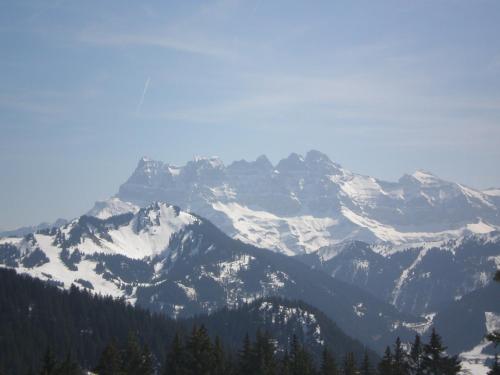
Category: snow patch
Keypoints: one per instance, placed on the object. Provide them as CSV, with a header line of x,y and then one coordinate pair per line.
x,y
359,309
152,240
190,292
56,270
307,320
480,227
263,229
494,192
421,327
492,321
474,360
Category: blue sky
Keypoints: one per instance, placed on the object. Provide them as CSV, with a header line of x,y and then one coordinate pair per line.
x,y
383,87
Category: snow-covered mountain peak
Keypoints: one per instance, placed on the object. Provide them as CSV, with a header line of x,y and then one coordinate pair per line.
x,y
320,164
203,170
148,172
162,215
313,202
425,177
261,166
291,163
145,233
317,157
208,161
422,179
112,207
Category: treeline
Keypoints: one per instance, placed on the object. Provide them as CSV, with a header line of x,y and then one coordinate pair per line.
x,y
85,331
35,315
197,354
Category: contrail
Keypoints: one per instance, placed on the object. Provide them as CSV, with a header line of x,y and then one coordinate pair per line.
x,y
146,85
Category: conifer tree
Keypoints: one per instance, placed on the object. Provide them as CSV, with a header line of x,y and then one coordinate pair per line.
x,y
174,364
416,357
495,367
300,361
435,361
132,357
385,366
146,366
350,365
284,367
68,367
400,362
49,363
110,361
366,367
328,365
220,367
199,352
494,336
245,357
264,354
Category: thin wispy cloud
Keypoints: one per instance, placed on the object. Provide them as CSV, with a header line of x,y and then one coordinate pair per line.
x,y
35,104
193,45
361,97
144,91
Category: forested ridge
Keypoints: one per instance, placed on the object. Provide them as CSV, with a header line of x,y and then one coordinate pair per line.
x,y
45,330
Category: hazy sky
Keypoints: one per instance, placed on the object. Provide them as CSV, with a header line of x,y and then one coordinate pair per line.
x,y
382,87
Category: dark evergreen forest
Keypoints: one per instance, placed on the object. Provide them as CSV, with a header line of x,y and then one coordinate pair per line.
x,y
45,330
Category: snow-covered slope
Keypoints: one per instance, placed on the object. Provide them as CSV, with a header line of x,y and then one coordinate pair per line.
x,y
493,192
112,207
143,234
302,204
175,262
464,324
420,280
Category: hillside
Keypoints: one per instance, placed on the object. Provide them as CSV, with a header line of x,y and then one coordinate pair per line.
x,y
36,315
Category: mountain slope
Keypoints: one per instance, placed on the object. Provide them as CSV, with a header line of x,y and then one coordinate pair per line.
x,y
419,280
178,263
479,311
282,319
35,315
304,203
465,323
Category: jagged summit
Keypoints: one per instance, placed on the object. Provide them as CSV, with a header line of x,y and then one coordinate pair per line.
x,y
307,202
264,161
212,161
315,156
425,177
294,159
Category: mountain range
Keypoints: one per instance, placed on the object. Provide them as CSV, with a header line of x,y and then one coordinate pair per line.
x,y
303,204
381,259
180,264
29,308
